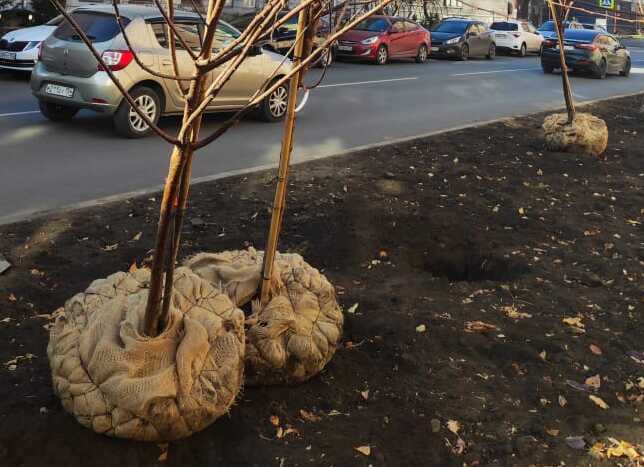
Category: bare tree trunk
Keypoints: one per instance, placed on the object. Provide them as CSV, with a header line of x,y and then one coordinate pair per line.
x,y
556,17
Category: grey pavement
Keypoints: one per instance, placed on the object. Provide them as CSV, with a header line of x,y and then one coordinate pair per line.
x,y
49,165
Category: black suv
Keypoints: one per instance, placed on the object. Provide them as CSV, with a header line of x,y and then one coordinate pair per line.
x,y
462,38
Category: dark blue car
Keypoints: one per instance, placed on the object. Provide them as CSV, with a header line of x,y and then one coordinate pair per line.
x,y
596,52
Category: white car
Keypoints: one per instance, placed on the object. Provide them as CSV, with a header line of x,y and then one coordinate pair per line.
x,y
19,48
516,36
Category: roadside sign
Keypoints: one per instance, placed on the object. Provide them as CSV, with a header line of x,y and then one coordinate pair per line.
x,y
608,4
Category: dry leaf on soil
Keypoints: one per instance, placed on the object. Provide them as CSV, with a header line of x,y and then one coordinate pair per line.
x,y
421,328
309,416
275,420
364,450
365,394
479,326
594,381
453,426
562,401
575,323
595,349
599,402
553,432
352,309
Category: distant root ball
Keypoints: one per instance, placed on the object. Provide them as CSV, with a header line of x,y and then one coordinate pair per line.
x,y
587,134
296,334
118,382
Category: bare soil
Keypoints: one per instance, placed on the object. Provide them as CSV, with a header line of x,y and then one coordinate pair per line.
x,y
480,230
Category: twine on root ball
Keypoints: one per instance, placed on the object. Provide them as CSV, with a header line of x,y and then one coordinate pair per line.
x,y
295,335
118,382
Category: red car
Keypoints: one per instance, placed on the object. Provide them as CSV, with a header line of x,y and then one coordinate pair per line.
x,y
380,38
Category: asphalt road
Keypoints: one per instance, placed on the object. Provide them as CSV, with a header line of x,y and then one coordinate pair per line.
x,y
47,166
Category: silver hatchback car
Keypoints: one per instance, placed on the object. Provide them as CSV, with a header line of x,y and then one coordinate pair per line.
x,y
68,78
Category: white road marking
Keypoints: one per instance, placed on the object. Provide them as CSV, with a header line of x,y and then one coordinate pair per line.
x,y
357,83
20,113
505,70
637,71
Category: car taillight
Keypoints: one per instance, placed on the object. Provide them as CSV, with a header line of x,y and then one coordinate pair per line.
x,y
116,59
549,43
516,34
586,46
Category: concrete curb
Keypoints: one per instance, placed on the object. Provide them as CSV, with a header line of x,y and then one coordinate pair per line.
x,y
34,214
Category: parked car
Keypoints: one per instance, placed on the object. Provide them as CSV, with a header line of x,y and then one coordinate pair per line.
x,y
547,29
282,40
593,26
588,50
381,38
18,18
516,36
19,48
462,38
68,78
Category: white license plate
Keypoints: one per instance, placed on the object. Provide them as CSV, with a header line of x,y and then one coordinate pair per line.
x,y
435,49
346,48
8,55
57,90
500,35
566,47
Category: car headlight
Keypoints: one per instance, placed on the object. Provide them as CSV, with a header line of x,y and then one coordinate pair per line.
x,y
370,40
453,41
31,45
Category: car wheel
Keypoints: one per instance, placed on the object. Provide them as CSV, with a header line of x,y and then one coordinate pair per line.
x,y
382,55
627,69
273,107
600,73
421,56
547,69
540,51
523,51
465,52
128,122
57,112
491,52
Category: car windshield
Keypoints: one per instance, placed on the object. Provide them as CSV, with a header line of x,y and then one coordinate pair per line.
x,y
55,21
99,27
547,26
456,27
503,26
373,24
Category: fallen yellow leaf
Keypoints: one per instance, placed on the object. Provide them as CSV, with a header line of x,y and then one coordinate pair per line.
x,y
594,381
453,426
562,401
599,402
275,420
364,450
595,349
553,432
308,416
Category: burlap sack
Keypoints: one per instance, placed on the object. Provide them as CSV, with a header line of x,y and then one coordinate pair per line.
x,y
295,335
120,383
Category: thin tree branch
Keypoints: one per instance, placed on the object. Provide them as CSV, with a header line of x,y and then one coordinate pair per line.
x,y
119,20
170,24
114,79
254,101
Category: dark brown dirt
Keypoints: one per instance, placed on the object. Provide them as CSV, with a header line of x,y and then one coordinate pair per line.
x,y
477,225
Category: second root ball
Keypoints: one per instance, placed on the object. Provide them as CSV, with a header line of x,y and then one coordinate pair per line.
x,y
296,334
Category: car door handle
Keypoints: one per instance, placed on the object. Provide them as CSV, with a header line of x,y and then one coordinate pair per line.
x,y
166,62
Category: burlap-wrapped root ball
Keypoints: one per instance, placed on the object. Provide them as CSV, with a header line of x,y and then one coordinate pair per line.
x,y
120,383
295,335
586,134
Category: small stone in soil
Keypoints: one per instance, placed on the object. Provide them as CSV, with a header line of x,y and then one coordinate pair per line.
x,y
435,424
197,222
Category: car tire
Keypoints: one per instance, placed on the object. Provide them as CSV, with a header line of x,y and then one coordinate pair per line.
x,y
128,123
491,51
627,69
421,56
382,55
273,107
523,51
600,73
57,112
465,52
547,69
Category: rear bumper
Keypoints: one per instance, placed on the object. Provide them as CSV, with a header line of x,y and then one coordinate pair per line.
x,y
509,42
579,60
96,92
